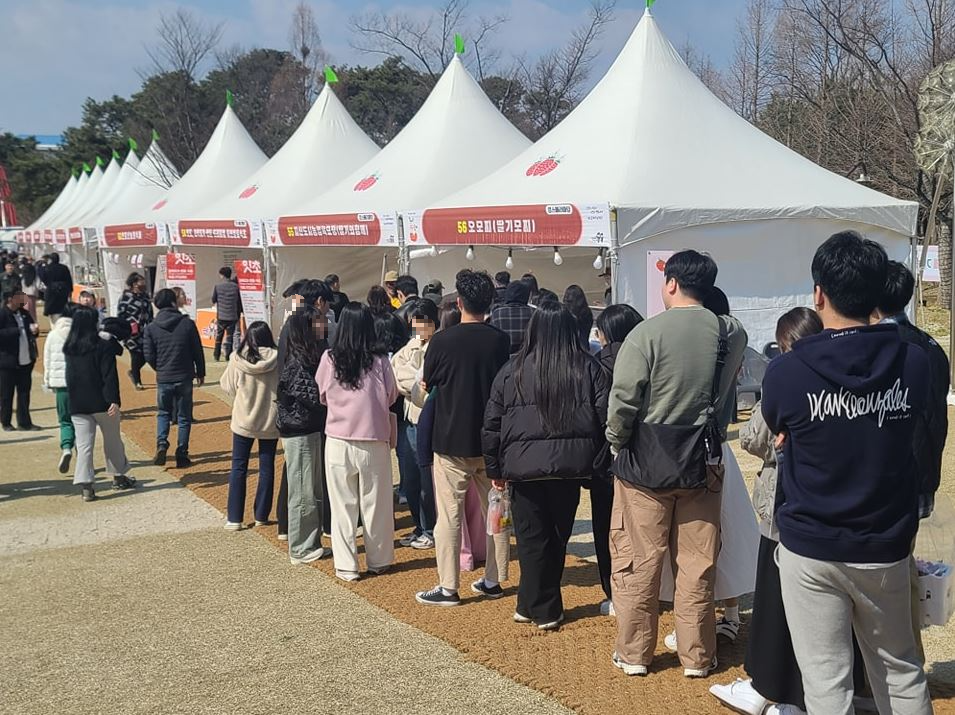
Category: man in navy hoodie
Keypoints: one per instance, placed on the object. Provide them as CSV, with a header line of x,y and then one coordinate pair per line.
x,y
846,402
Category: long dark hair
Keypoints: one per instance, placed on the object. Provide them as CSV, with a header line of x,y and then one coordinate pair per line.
x,y
378,300
28,274
795,325
616,322
84,332
354,351
553,348
576,302
303,344
258,336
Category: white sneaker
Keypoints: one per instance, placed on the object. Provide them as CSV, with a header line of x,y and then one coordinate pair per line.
x,y
784,709
347,575
740,695
701,672
670,641
65,457
553,625
232,526
408,540
308,558
606,608
518,618
628,668
283,537
423,543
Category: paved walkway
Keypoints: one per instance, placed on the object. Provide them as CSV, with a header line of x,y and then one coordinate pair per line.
x,y
140,603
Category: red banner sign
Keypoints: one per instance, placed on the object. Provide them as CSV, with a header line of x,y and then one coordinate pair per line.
x,y
180,267
330,230
59,236
249,276
214,233
537,225
47,236
74,236
131,235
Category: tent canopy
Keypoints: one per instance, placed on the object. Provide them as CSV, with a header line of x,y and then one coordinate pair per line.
x,y
651,139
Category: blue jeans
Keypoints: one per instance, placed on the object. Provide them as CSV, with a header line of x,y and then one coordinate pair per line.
x,y
175,402
241,449
419,486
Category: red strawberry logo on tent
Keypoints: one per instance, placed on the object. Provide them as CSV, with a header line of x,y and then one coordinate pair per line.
x,y
249,191
159,204
366,183
543,166
661,265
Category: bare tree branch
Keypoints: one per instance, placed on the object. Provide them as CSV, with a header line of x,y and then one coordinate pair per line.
x,y
184,42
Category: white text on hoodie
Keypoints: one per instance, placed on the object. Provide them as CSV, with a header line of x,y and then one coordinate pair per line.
x,y
845,404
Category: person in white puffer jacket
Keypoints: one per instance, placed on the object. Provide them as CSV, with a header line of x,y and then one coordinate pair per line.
x,y
54,378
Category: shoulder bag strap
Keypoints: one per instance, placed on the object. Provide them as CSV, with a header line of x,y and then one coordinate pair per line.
x,y
722,350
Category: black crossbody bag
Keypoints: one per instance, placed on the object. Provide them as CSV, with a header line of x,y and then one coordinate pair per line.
x,y
677,456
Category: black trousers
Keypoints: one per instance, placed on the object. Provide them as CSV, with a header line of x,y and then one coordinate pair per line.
x,y
601,502
224,329
16,381
544,512
137,360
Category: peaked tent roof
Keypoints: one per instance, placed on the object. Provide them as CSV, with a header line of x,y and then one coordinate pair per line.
x,y
76,199
651,138
229,155
63,198
97,195
456,137
327,145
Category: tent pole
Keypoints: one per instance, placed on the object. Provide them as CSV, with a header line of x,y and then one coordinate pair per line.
x,y
951,307
404,262
613,258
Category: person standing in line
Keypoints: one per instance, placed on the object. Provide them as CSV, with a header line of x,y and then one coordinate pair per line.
x,y
390,286
502,279
770,661
419,485
134,307
531,281
228,302
339,299
543,434
406,288
672,377
390,331
514,314
29,278
358,386
93,387
54,378
18,353
301,423
845,404
575,300
433,291
462,363
251,379
613,326
59,287
172,347
10,281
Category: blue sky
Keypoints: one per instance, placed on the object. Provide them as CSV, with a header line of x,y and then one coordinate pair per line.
x,y
55,53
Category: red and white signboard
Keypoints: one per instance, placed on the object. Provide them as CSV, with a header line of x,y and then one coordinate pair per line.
x,y
656,263
132,235
239,233
251,281
352,229
181,273
528,225
74,236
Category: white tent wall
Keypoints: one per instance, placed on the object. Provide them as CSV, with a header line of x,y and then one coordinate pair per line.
x,y
358,267
119,263
576,268
764,266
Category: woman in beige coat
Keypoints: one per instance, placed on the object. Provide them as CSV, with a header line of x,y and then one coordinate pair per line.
x,y
252,379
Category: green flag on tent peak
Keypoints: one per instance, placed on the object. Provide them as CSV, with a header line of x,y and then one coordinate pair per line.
x,y
86,168
330,76
228,97
155,136
458,44
99,161
133,145
116,155
650,3
76,172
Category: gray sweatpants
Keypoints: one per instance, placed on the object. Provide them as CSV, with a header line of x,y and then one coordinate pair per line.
x,y
85,428
303,459
825,601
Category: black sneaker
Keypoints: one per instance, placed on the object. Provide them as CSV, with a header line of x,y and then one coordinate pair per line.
x,y
88,493
123,482
9,428
183,461
491,592
437,597
160,459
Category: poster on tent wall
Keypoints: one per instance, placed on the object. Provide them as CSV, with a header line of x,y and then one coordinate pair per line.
x,y
528,225
181,273
238,233
656,262
248,274
351,229
931,273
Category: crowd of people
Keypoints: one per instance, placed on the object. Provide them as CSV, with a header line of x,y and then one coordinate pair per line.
x,y
510,399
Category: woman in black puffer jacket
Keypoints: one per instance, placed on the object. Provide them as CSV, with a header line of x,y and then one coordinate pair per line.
x,y
544,434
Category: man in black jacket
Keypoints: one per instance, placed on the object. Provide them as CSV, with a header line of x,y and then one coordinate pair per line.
x,y
339,300
59,287
172,348
9,280
228,302
17,356
406,288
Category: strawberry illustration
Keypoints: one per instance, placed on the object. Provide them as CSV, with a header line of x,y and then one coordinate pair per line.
x,y
366,183
249,191
159,204
543,166
661,265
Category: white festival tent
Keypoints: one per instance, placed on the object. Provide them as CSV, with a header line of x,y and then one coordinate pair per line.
x,y
62,199
326,146
679,169
43,233
456,137
126,245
